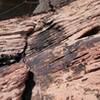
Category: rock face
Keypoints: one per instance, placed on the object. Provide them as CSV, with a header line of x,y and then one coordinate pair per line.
x,y
12,81
49,5
60,48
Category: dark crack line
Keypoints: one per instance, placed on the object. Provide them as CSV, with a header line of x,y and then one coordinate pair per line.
x,y
92,70
29,85
6,59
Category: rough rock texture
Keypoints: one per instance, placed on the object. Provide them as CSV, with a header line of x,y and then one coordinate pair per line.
x,y
12,81
75,76
61,49
49,5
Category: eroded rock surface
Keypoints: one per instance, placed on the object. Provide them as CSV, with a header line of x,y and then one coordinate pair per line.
x,y
61,49
12,81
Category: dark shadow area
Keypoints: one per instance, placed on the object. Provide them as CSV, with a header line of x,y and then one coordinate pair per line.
x,y
9,59
6,59
16,8
52,35
97,58
43,40
93,31
29,85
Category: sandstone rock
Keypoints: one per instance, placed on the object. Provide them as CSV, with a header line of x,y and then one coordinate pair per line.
x,y
12,81
61,49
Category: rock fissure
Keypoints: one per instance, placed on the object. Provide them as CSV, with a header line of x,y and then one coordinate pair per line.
x,y
93,31
63,54
29,85
6,59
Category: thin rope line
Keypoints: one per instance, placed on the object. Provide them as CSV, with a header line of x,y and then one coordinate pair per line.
x,y
7,11
26,2
30,2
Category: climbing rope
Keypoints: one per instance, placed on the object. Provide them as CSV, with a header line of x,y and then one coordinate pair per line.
x,y
7,11
30,2
17,6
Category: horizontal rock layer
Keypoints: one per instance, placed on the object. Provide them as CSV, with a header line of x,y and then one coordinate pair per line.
x,y
12,82
61,48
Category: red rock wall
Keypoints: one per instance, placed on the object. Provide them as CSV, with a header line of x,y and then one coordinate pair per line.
x,y
61,49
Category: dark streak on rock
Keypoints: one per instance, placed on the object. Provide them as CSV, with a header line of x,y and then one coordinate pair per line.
x,y
29,85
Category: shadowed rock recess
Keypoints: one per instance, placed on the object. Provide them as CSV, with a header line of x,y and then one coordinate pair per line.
x,y
53,55
13,8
